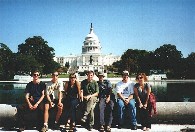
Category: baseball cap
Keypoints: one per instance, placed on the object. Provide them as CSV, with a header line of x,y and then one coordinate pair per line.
x,y
125,73
101,74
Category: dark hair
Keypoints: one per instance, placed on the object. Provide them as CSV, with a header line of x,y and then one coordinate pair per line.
x,y
143,75
90,71
33,71
72,75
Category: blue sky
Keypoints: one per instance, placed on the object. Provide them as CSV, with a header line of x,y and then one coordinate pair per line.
x,y
119,24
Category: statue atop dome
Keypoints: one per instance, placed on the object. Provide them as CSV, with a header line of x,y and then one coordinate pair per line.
x,y
91,29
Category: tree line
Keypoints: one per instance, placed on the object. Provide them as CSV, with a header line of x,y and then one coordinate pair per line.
x,y
35,53
166,58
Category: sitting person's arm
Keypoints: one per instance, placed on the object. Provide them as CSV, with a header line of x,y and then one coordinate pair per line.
x,y
27,98
148,94
60,99
79,90
94,94
119,91
121,96
40,100
50,101
137,97
131,91
110,91
60,89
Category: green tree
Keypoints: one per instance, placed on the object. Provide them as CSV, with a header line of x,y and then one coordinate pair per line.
x,y
62,69
111,68
52,66
190,66
167,58
6,63
116,66
38,48
134,61
144,61
25,64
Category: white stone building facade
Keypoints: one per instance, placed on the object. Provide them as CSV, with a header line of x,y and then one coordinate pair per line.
x,y
91,57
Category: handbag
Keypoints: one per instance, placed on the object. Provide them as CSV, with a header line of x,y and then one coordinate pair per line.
x,y
152,104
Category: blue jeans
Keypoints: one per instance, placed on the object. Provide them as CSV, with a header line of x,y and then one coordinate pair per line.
x,y
132,110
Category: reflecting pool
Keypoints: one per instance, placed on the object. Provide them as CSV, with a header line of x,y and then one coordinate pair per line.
x,y
179,91
165,91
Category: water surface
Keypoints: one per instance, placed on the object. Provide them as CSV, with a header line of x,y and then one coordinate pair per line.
x,y
180,91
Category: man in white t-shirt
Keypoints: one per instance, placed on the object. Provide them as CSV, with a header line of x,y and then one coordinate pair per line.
x,y
53,95
125,100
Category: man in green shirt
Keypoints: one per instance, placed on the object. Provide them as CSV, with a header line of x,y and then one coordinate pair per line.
x,y
90,91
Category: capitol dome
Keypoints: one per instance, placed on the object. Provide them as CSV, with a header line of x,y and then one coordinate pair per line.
x,y
91,43
91,36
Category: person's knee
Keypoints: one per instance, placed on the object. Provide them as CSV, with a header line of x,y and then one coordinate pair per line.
x,y
46,106
111,103
132,103
120,104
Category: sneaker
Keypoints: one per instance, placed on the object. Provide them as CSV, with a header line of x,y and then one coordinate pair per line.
x,y
101,128
67,125
73,127
84,119
44,129
108,129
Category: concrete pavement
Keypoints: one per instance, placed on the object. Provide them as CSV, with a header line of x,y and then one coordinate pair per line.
x,y
155,128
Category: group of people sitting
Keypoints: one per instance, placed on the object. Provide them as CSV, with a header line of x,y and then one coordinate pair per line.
x,y
44,96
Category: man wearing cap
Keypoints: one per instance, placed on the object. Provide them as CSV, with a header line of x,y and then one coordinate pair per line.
x,y
125,100
90,92
105,102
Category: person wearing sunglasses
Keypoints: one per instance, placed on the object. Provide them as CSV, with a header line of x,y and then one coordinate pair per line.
x,y
142,91
73,95
53,98
126,101
34,95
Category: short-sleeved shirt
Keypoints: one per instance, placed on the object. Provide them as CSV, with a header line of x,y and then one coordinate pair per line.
x,y
89,88
104,88
54,88
35,90
125,89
